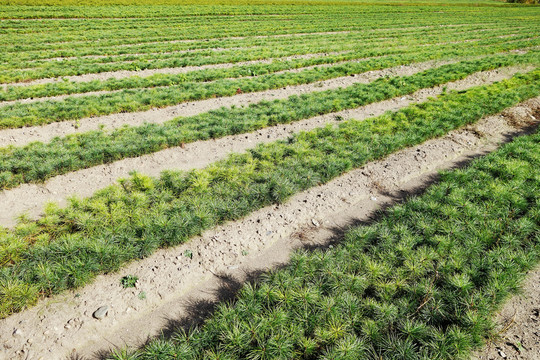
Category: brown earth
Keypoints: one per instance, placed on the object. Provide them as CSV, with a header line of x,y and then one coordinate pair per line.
x,y
518,326
30,198
158,116
176,286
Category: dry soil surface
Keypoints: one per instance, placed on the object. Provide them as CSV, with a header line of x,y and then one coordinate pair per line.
x,y
178,287
30,198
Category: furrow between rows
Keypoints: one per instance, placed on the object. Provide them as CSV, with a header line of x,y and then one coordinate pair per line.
x,y
172,281
31,198
22,136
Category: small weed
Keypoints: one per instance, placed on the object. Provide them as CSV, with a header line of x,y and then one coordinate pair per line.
x,y
142,295
188,254
129,281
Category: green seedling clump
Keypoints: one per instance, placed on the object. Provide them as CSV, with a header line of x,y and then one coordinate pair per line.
x,y
133,219
25,164
129,281
422,282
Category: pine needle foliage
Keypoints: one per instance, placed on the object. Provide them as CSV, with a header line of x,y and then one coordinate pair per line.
x,y
137,99
26,164
338,48
68,247
421,283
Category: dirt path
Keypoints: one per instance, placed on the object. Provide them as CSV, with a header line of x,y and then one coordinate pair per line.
x,y
30,198
45,133
518,324
121,74
176,286
104,92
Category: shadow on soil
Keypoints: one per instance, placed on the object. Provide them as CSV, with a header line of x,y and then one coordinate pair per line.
x,y
198,310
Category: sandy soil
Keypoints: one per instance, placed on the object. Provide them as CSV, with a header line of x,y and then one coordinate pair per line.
x,y
22,136
104,92
177,287
30,198
148,72
518,325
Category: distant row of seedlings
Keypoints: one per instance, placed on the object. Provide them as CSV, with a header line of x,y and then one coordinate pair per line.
x,y
80,66
71,108
38,161
68,247
111,48
253,69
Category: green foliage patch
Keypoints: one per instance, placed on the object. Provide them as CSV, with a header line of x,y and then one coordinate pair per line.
x,y
131,100
40,161
421,283
68,247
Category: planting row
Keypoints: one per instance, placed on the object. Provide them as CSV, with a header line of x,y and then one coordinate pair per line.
x,y
30,58
422,282
24,71
233,71
73,9
312,19
159,45
40,161
68,247
71,108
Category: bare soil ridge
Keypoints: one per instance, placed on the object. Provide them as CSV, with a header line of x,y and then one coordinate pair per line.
x,y
45,133
31,198
262,240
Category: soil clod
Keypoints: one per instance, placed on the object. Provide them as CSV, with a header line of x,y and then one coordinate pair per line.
x,y
101,312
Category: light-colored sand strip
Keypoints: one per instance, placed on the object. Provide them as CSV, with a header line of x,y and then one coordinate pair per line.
x,y
22,136
31,198
103,92
177,287
121,74
517,335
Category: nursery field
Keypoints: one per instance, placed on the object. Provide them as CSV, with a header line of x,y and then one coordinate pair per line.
x,y
150,152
